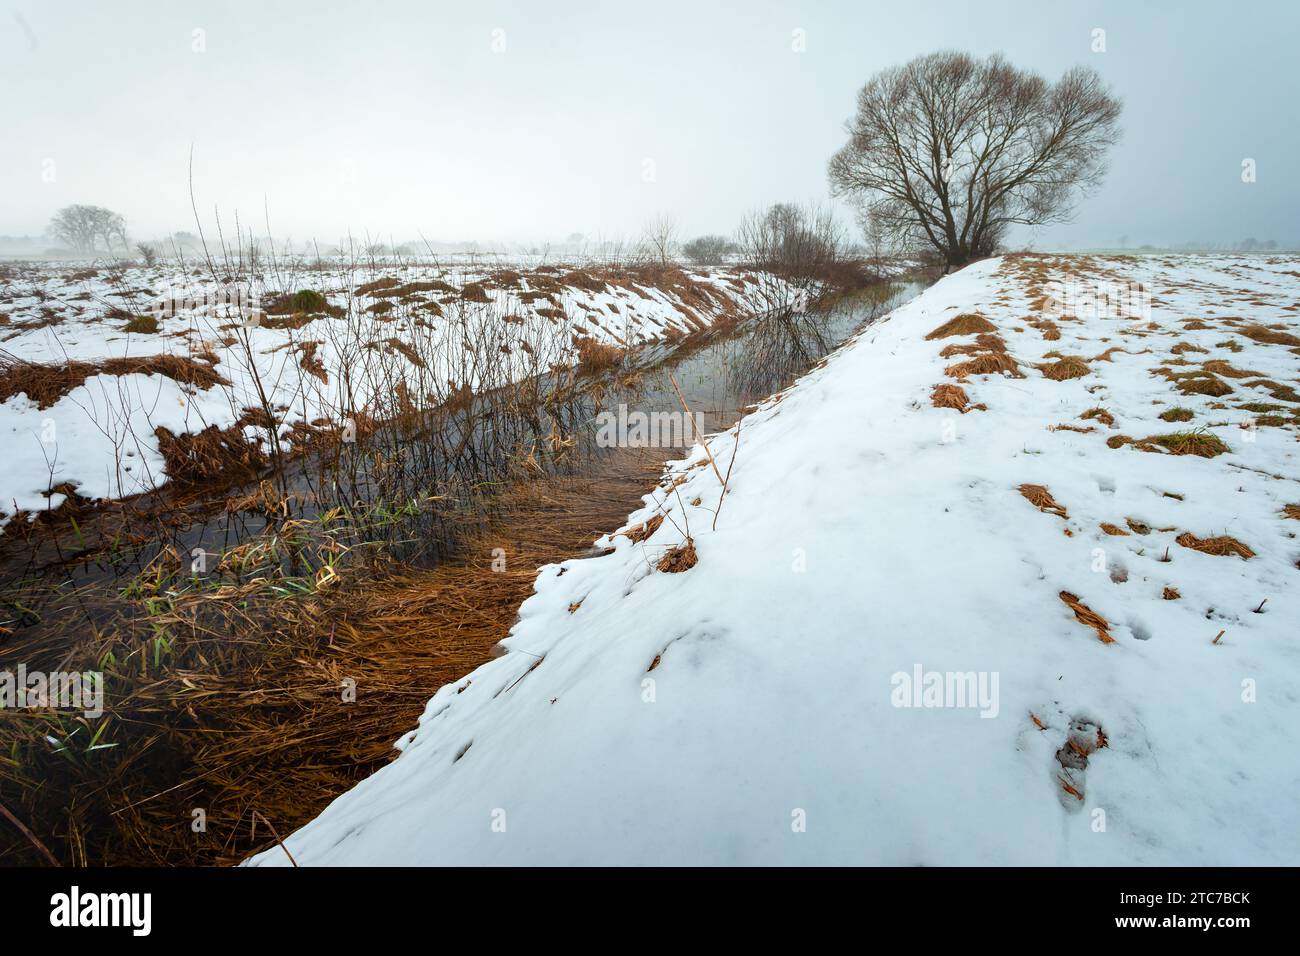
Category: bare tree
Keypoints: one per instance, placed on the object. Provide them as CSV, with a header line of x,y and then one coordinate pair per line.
x,y
708,250
81,227
793,252
791,241
148,252
948,151
659,239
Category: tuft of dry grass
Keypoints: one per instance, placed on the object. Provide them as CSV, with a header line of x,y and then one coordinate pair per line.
x,y
141,325
968,323
1066,367
643,531
1171,594
1221,367
987,363
1113,530
1177,414
679,558
1041,498
1099,414
46,384
1087,616
1292,511
953,396
1202,383
1200,443
595,356
1277,390
1220,546
1137,527
1262,333
213,453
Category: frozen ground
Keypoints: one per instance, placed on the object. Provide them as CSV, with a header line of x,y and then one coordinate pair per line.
x,y
1133,700
425,329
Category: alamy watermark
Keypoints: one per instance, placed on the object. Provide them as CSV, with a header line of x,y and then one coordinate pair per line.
x,y
1097,300
62,690
636,429
946,689
233,300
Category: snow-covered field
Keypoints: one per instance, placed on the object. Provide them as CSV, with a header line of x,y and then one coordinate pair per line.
x,y
424,328
919,635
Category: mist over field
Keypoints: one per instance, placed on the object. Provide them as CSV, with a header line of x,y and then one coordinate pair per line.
x,y
507,124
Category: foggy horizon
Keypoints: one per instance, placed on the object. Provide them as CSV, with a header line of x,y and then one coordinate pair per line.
x,y
500,125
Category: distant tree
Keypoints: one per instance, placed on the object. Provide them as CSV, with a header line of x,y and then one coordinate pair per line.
x,y
708,250
148,252
81,228
792,241
659,239
948,151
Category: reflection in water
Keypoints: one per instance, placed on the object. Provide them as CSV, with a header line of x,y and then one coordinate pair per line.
x,y
414,487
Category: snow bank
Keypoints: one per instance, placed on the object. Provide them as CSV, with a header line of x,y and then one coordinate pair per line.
x,y
428,327
758,708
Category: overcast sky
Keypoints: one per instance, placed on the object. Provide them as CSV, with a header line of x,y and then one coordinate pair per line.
x,y
529,121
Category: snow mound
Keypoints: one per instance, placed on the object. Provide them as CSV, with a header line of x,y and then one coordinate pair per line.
x,y
919,635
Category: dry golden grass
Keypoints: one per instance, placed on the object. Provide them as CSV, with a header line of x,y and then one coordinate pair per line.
x,y
968,323
1292,511
1276,390
679,558
1201,383
248,716
1171,594
1099,414
1137,527
1266,335
1050,330
1087,616
643,531
141,325
406,349
1041,498
986,363
953,396
1200,443
984,342
595,356
46,384
1113,530
1220,546
309,361
1221,367
225,454
1177,415
1067,367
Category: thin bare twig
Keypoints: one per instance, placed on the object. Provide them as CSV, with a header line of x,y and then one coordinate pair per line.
x,y
22,828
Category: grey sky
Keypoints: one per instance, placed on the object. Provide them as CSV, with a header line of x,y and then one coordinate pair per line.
x,y
399,118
